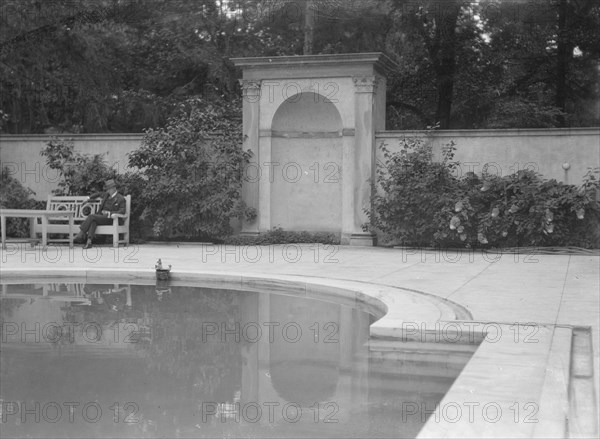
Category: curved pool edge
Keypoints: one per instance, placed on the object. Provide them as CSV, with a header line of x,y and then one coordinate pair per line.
x,y
392,307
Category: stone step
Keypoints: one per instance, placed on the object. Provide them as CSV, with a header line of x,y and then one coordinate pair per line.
x,y
418,368
376,345
392,383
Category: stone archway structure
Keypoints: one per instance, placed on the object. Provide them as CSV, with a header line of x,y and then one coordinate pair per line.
x,y
310,122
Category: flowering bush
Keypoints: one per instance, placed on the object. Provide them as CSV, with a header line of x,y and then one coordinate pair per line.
x,y
422,202
522,209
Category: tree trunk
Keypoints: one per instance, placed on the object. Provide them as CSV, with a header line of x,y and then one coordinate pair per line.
x,y
445,58
445,89
563,56
309,27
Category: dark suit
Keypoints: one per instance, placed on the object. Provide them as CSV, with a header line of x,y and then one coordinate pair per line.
x,y
114,204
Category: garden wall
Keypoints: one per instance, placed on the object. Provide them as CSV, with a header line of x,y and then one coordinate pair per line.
x,y
544,150
509,150
21,155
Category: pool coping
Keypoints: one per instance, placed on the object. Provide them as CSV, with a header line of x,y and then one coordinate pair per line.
x,y
525,388
380,300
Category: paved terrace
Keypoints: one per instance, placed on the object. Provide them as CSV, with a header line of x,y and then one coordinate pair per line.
x,y
503,288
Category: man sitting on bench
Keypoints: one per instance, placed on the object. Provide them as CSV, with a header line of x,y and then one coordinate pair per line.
x,y
112,203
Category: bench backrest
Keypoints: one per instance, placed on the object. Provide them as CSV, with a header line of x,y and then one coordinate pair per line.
x,y
82,210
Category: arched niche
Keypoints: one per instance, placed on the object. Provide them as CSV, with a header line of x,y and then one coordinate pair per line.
x,y
306,155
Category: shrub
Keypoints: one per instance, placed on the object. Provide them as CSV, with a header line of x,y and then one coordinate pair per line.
x,y
132,183
423,203
13,195
192,171
414,189
523,209
280,236
80,174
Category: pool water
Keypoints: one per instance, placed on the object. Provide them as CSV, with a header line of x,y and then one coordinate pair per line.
x,y
119,360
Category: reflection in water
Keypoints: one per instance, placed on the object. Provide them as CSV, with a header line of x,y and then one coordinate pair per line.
x,y
108,360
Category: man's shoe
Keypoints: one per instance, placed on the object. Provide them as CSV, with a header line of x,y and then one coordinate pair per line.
x,y
80,238
87,245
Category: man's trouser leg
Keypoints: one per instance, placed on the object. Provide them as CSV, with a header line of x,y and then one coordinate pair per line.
x,y
96,220
85,227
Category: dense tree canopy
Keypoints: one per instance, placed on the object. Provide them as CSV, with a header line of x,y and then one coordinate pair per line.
x,y
126,65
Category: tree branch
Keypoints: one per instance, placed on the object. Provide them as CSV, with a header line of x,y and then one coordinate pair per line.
x,y
80,18
412,108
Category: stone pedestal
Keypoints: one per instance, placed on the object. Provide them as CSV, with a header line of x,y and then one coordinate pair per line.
x,y
310,123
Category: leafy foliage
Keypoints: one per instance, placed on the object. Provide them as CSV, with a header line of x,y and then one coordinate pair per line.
x,y
414,189
192,171
523,209
99,65
424,203
103,65
510,57
13,195
280,236
80,174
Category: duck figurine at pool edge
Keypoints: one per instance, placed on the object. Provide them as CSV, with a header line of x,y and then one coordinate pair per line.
x,y
159,266
161,273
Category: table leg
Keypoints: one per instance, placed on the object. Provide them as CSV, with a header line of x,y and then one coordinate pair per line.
x,y
44,231
71,220
3,225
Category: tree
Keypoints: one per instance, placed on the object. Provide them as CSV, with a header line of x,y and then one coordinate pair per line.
x,y
551,54
122,66
56,62
430,34
517,64
439,33
99,66
574,28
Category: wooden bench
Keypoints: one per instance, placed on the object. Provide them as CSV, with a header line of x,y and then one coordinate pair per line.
x,y
82,209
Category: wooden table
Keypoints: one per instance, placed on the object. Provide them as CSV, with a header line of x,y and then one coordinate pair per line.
x,y
36,213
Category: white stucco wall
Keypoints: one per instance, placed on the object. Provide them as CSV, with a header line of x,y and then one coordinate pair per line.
x,y
21,155
544,150
510,150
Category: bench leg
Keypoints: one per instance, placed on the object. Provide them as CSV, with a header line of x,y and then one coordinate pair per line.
x,y
3,225
32,222
44,231
116,238
71,225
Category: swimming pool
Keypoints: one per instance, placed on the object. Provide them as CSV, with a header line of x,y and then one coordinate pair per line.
x,y
98,359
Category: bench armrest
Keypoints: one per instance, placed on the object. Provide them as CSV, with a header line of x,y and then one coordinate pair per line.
x,y
119,215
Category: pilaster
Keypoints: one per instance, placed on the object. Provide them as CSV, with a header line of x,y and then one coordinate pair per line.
x,y
251,92
365,88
